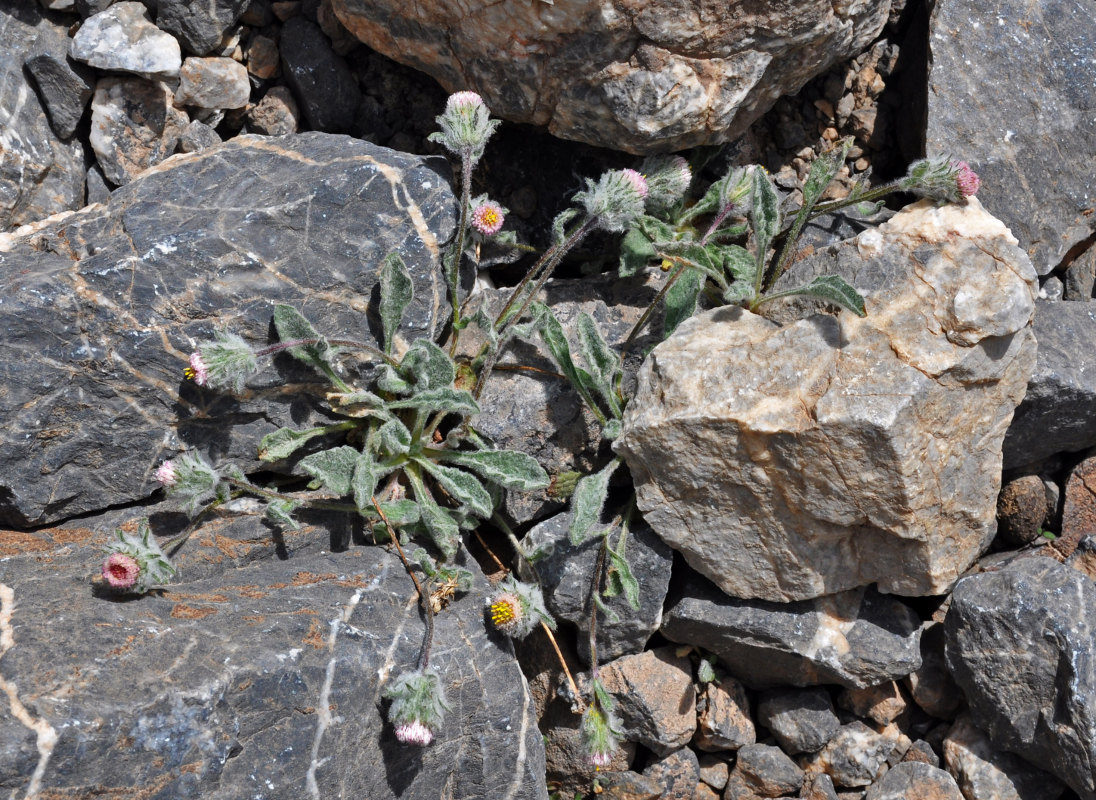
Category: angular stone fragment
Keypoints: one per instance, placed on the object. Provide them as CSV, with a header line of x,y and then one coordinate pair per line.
x,y
249,654
880,704
40,175
565,573
1021,509
723,720
856,756
123,38
654,698
322,82
104,307
801,720
1020,645
915,781
791,462
931,684
275,115
199,26
766,771
213,83
677,774
1049,125
639,76
986,773
64,86
134,125
856,638
1079,509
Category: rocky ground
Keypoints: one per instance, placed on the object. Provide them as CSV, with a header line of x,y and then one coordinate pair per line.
x,y
261,672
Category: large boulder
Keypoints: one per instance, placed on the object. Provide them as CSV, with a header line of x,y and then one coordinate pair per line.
x,y
790,462
102,308
637,76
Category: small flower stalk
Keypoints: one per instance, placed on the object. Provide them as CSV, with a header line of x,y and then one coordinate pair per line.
x,y
465,126
517,608
418,706
668,179
941,178
135,563
616,200
226,363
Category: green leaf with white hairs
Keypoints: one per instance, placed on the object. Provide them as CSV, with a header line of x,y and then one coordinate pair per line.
x,y
509,468
738,292
390,380
636,251
393,437
399,512
364,480
397,291
621,580
427,366
551,333
699,257
559,225
611,429
823,170
681,299
283,442
462,486
280,512
333,468
764,215
832,289
588,501
446,398
738,262
440,525
705,670
602,360
291,326
610,615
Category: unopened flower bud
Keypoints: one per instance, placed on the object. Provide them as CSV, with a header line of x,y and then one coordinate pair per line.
x,y
222,364
598,737
466,125
189,476
966,179
940,178
135,562
518,608
668,178
418,706
487,217
165,473
615,200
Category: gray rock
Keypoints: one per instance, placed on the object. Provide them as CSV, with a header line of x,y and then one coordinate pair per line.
x,y
102,309
880,705
275,115
1021,510
40,175
122,38
197,136
566,573
1044,78
765,770
64,86
677,774
801,720
915,781
723,720
323,84
647,77
199,26
1020,643
654,698
931,684
856,756
855,638
713,770
790,462
1080,277
1052,289
213,83
251,676
985,773
133,126
1055,415
818,786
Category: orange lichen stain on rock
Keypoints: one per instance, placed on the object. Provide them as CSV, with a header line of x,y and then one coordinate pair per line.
x,y
150,789
194,767
315,635
14,543
254,619
357,582
183,611
251,590
306,578
204,597
123,648
73,535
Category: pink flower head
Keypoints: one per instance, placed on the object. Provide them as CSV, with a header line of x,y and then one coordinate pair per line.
x,y
165,473
459,101
600,759
966,179
414,733
198,371
488,218
639,183
121,570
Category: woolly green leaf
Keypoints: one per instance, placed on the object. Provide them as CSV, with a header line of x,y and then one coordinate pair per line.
x,y
655,229
462,486
393,437
611,615
508,468
832,289
551,332
281,512
706,259
399,512
292,325
389,380
364,480
588,500
441,527
680,300
738,262
705,670
559,225
636,251
444,398
738,292
823,170
333,468
602,360
621,580
427,366
764,215
283,442
397,292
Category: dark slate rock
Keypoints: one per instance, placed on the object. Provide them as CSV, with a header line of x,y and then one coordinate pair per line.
x,y
1019,643
199,26
102,309
801,720
252,676
324,86
1056,413
64,86
677,774
854,638
566,572
40,175
1010,91
855,756
1080,276
981,770
914,781
765,770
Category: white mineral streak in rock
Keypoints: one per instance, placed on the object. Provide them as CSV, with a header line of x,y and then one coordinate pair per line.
x,y
123,38
636,75
791,462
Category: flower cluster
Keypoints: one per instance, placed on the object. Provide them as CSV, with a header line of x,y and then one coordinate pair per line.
x,y
616,200
941,178
225,363
598,736
418,706
668,178
189,476
517,608
465,126
135,562
487,217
